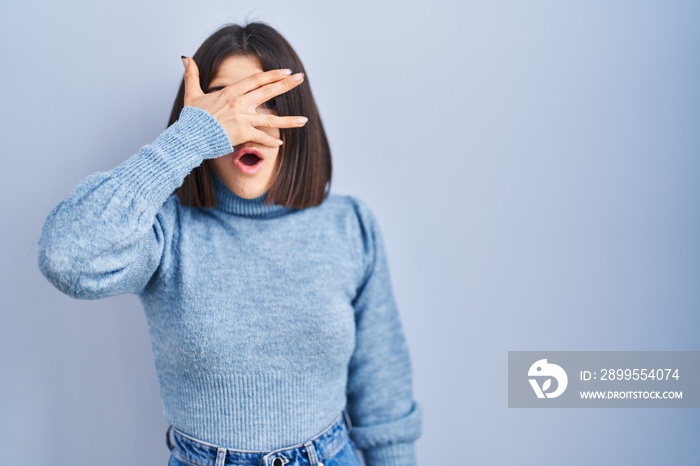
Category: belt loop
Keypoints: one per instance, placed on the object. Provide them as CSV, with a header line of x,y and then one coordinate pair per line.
x,y
311,452
168,441
346,416
220,456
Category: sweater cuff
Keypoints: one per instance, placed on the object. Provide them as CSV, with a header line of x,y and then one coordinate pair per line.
x,y
405,430
160,167
398,454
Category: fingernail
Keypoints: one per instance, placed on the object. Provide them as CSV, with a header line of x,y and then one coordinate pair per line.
x,y
285,72
302,120
279,142
298,77
184,60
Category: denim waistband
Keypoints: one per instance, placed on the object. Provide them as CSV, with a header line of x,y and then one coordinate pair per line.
x,y
311,452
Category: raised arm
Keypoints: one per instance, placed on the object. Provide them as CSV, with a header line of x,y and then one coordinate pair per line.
x,y
386,419
109,236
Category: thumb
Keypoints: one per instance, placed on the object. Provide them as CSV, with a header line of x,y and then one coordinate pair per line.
x,y
192,87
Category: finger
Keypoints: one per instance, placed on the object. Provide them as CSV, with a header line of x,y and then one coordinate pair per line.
x,y
256,80
266,92
263,138
274,121
192,87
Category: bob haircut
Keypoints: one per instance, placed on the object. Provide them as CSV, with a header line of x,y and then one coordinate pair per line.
x,y
302,172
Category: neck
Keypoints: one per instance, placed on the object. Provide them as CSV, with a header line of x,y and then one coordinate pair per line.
x,y
230,202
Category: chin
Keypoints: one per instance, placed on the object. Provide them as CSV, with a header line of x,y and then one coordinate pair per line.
x,y
248,190
245,194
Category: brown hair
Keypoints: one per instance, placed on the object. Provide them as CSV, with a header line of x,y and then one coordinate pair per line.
x,y
302,173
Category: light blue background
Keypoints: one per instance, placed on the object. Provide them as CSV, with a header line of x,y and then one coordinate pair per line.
x,y
534,166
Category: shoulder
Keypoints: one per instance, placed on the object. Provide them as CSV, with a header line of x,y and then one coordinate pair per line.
x,y
351,206
171,207
355,214
360,224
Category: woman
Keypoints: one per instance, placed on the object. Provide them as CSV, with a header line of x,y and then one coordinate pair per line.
x,y
275,335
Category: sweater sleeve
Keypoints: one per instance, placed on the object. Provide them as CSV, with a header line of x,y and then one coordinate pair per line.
x,y
386,420
110,235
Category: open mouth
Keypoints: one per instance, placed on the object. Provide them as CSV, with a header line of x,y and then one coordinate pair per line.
x,y
249,159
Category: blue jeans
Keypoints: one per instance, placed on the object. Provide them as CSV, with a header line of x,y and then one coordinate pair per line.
x,y
331,447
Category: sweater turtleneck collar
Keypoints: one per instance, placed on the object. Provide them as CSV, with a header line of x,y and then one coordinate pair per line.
x,y
228,201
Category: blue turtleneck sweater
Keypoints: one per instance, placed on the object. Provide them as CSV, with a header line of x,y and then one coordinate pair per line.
x,y
265,321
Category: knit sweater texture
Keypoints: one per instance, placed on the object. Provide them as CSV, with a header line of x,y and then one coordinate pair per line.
x,y
265,321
